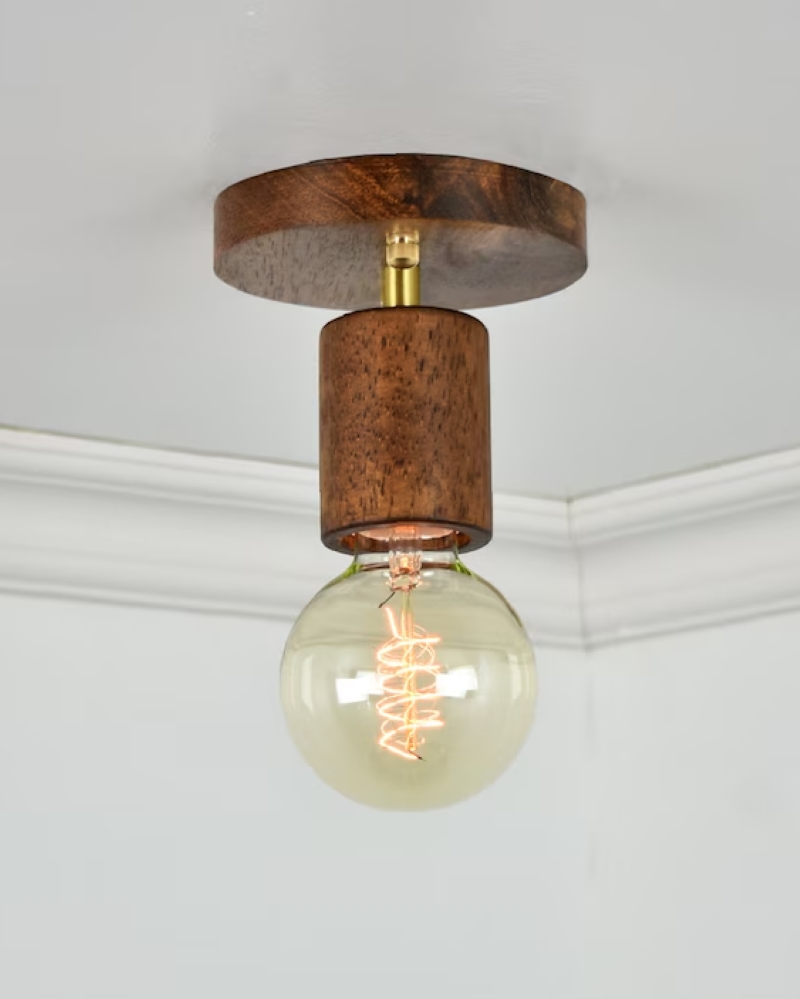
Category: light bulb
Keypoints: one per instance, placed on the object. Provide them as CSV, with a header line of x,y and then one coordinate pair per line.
x,y
408,682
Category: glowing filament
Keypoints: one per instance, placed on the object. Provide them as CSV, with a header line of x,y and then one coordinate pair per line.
x,y
408,672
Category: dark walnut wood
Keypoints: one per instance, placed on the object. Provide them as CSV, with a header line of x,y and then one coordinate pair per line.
x,y
404,426
315,234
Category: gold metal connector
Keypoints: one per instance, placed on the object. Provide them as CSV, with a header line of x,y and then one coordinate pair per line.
x,y
401,271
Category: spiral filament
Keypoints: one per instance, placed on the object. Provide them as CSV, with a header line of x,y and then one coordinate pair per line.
x,y
407,670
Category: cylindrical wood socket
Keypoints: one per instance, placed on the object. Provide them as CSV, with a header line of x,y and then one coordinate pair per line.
x,y
404,428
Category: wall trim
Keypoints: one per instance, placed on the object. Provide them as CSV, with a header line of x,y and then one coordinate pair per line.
x,y
115,522
692,550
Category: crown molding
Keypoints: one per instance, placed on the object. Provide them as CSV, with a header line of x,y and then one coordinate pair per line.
x,y
708,547
114,522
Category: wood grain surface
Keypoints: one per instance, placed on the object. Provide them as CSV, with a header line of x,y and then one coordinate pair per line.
x,y
404,425
315,234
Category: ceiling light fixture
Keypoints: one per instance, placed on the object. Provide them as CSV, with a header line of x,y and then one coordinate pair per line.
x,y
408,682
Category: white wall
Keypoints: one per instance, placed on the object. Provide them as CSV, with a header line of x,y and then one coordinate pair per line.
x,y
160,838
695,843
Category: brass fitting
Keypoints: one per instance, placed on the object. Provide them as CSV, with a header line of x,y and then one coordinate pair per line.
x,y
401,270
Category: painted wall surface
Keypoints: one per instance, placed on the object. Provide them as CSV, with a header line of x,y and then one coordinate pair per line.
x,y
161,839
695,843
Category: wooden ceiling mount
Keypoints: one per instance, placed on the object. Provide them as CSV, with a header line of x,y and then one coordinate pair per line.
x,y
404,389
313,234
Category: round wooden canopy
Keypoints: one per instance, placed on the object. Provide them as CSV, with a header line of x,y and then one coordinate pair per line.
x,y
315,234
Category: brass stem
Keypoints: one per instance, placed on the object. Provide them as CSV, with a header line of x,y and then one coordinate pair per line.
x,y
401,270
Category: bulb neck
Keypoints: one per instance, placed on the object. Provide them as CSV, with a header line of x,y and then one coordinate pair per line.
x,y
406,557
426,559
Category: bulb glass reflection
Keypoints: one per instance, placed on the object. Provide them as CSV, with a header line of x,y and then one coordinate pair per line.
x,y
408,682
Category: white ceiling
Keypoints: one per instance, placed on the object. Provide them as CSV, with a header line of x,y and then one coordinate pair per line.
x,y
121,122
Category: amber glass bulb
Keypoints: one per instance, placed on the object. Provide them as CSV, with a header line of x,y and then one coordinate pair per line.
x,y
408,682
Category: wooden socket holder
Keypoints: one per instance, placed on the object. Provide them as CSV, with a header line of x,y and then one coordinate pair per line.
x,y
404,392
404,428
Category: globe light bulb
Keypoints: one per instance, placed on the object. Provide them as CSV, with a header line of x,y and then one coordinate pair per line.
x,y
408,682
